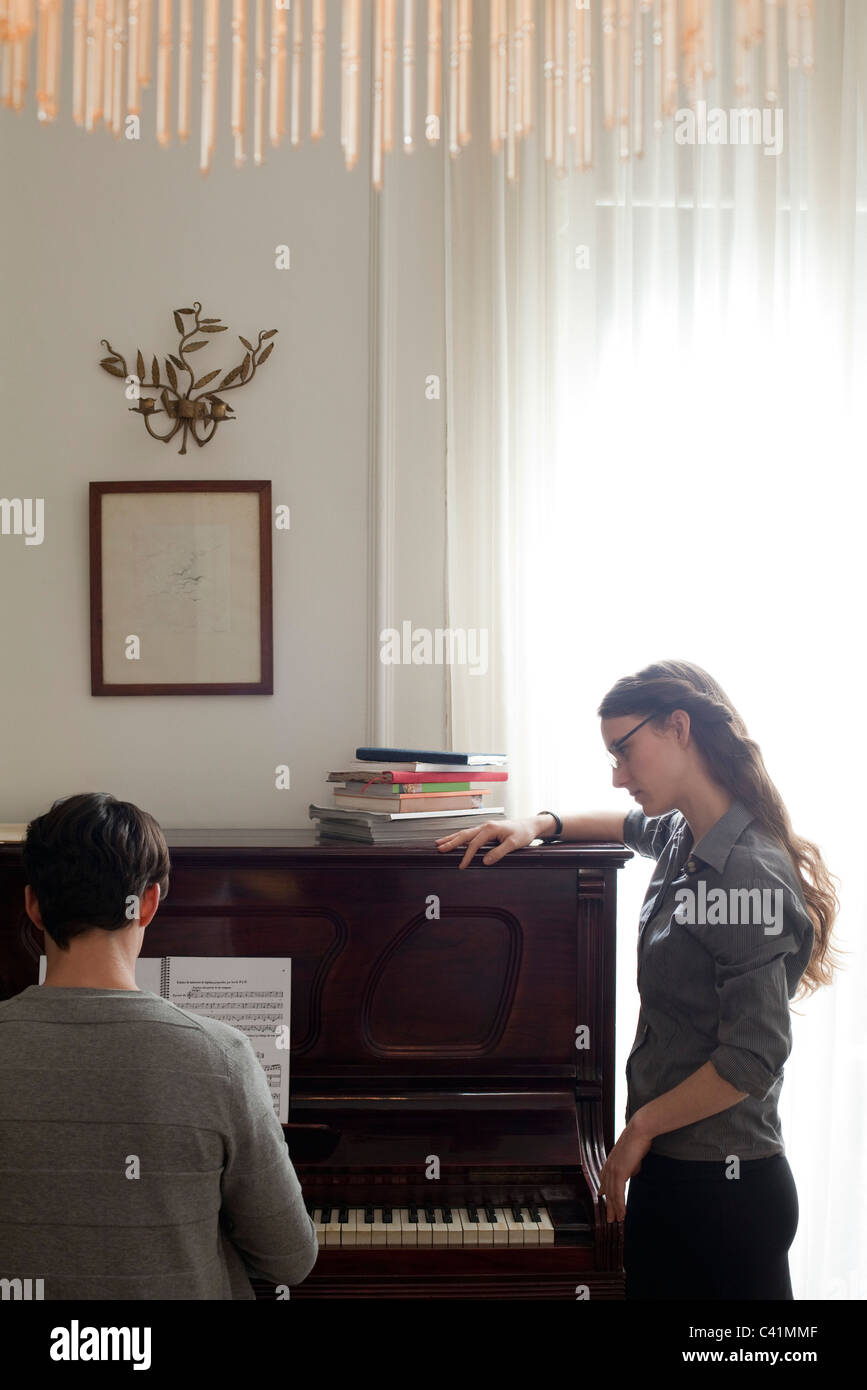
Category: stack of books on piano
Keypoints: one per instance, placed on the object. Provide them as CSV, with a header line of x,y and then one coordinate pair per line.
x,y
393,796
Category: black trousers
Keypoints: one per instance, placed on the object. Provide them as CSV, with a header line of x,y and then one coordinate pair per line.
x,y
690,1232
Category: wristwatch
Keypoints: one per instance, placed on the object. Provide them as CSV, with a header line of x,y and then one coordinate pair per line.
x,y
551,839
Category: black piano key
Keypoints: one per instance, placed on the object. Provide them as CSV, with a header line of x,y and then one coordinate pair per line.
x,y
369,1216
516,1215
343,1215
473,1214
386,1216
431,1215
413,1213
326,1216
491,1215
534,1214
447,1215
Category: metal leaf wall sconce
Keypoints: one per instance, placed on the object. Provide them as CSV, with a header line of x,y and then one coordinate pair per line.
x,y
187,412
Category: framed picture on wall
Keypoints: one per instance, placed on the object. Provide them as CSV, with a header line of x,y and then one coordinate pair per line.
x,y
180,588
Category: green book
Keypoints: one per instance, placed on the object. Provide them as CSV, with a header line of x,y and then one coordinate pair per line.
x,y
408,788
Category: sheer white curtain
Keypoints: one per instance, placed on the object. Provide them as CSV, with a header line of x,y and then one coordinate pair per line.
x,y
656,449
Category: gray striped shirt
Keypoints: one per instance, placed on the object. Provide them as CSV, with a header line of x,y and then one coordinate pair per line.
x,y
724,937
140,1156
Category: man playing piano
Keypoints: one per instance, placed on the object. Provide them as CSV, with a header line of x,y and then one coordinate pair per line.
x,y
141,1155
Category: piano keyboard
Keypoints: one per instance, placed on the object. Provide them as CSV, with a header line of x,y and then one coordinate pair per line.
x,y
433,1226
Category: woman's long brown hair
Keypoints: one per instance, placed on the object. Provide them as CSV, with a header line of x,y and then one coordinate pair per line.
x,y
735,761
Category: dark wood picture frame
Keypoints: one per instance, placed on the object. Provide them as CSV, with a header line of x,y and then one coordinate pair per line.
x,y
265,684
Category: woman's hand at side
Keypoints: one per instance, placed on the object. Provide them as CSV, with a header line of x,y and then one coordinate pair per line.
x,y
623,1162
511,834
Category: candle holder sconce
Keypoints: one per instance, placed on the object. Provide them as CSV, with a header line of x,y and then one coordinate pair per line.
x,y
199,415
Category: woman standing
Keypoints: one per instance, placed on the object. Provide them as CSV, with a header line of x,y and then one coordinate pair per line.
x,y
737,918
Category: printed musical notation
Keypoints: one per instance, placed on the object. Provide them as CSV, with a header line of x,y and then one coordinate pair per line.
x,y
251,993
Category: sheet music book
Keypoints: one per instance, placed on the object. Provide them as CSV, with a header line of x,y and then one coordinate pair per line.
x,y
252,993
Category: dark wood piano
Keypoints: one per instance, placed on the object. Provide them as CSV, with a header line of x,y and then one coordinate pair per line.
x,y
452,1076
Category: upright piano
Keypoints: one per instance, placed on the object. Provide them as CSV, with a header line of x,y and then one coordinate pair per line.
x,y
452,1057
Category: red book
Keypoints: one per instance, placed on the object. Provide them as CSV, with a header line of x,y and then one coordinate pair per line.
x,y
377,774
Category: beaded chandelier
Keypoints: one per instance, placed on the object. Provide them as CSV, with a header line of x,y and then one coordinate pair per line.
x,y
642,56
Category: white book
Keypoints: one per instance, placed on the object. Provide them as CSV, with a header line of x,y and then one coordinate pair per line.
x,y
375,817
252,993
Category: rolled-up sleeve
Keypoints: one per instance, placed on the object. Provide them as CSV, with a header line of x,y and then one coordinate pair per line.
x,y
649,836
752,985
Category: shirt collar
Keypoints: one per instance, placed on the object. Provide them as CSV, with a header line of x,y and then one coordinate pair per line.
x,y
716,844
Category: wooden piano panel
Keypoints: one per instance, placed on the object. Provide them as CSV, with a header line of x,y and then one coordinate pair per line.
x,y
313,937
378,984
426,995
553,1272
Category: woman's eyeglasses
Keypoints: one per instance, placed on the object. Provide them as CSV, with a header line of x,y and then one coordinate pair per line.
x,y
615,751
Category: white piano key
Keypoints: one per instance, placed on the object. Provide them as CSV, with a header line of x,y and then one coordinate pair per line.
x,y
531,1229
470,1228
425,1230
379,1230
455,1229
347,1230
363,1228
317,1223
501,1230
440,1229
485,1229
392,1228
546,1230
408,1229
515,1228
332,1229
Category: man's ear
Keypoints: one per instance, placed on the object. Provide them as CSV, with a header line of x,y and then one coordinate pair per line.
x,y
150,901
31,907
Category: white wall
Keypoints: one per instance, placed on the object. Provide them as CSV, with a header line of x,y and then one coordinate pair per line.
x,y
103,239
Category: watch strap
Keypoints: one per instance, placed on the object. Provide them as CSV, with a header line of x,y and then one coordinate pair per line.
x,y
558,828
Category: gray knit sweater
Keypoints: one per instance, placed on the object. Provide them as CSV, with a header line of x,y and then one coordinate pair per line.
x,y
140,1156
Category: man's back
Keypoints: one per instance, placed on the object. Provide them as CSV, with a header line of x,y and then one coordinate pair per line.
x,y
140,1157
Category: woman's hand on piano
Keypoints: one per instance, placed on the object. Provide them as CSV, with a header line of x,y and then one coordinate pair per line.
x,y
512,834
623,1162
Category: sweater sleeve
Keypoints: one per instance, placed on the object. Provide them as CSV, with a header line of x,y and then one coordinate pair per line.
x,y
263,1212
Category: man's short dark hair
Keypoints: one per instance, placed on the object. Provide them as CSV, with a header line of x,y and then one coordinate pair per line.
x,y
86,857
